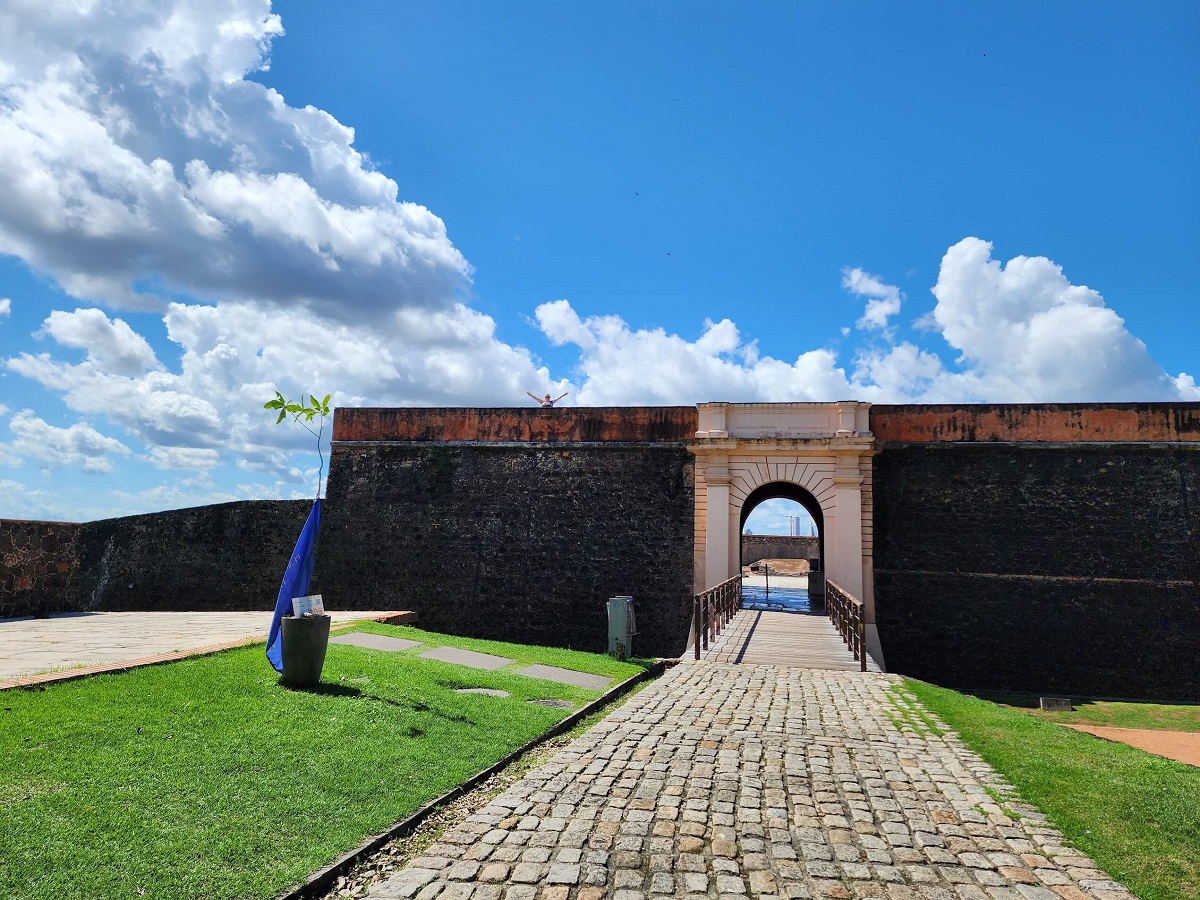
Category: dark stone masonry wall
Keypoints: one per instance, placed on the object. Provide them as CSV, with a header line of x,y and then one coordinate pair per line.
x,y
1040,548
1048,568
228,556
522,543
39,562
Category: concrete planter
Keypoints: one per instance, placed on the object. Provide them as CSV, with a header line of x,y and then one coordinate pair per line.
x,y
816,588
305,640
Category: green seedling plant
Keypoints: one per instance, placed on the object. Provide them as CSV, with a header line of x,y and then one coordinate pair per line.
x,y
303,413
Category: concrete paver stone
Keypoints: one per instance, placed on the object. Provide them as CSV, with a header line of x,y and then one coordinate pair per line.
x,y
738,781
566,676
374,641
467,658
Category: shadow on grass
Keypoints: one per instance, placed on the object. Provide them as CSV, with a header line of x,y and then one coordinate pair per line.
x,y
328,689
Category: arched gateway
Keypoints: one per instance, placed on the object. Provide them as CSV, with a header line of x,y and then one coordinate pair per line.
x,y
982,538
749,451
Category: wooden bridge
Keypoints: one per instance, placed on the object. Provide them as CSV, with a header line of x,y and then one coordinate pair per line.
x,y
725,632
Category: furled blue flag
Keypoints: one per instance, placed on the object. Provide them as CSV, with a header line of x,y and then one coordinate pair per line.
x,y
295,584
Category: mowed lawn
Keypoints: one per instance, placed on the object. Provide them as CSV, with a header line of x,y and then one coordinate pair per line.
x,y
1136,814
206,779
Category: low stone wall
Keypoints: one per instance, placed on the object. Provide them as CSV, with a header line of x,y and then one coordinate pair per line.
x,y
777,546
228,556
39,563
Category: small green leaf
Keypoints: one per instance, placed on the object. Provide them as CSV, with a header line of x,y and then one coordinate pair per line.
x,y
282,416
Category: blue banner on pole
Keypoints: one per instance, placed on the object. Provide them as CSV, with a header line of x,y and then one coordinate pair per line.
x,y
295,584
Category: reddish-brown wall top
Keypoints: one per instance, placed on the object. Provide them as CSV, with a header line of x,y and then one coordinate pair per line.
x,y
1054,422
656,424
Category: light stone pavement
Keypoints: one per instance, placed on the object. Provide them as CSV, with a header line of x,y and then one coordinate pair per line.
x,y
74,640
735,781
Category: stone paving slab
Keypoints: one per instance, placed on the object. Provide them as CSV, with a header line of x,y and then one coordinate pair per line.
x,y
467,658
739,781
374,641
77,644
566,676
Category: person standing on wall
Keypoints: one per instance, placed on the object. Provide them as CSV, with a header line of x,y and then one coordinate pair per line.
x,y
546,402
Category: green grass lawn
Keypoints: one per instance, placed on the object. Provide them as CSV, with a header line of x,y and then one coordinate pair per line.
x,y
1136,814
204,778
1154,716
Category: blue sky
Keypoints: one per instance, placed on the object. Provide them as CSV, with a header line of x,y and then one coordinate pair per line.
x,y
450,204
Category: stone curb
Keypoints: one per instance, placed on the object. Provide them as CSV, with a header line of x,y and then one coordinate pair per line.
x,y
402,617
321,880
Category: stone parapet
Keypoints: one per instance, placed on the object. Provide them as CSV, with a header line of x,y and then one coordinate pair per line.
x,y
575,424
1037,422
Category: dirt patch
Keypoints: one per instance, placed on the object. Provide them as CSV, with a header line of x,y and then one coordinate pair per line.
x,y
778,567
1183,746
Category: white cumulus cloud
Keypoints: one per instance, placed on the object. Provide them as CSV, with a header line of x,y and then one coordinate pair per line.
x,y
53,447
1022,333
883,301
1025,333
136,159
111,345
619,365
234,355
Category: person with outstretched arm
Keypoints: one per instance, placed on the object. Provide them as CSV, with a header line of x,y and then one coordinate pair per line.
x,y
546,402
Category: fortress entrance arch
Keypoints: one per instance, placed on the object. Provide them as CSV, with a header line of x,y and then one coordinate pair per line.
x,y
785,490
815,453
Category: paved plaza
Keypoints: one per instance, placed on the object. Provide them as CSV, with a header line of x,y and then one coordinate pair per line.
x,y
736,781
90,640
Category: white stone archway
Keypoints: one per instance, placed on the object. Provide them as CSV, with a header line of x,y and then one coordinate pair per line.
x,y
824,448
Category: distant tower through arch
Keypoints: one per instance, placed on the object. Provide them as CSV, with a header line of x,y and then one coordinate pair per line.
x,y
818,454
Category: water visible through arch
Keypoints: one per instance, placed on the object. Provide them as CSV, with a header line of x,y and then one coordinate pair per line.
x,y
781,581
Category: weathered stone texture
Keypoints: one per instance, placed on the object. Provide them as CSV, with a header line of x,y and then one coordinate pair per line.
x,y
514,543
229,556
778,546
1049,422
1065,569
499,424
38,566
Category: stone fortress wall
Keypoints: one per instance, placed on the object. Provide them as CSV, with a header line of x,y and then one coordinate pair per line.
x,y
515,524
1048,547
1042,548
228,556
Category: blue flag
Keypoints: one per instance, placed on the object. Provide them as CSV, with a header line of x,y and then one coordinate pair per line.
x,y
295,584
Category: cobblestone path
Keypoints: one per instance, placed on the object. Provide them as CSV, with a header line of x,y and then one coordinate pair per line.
x,y
756,781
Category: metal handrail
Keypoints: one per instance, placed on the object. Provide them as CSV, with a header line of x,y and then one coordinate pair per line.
x,y
713,609
847,614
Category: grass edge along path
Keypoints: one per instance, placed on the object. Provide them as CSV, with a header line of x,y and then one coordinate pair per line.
x,y
205,778
377,860
1137,815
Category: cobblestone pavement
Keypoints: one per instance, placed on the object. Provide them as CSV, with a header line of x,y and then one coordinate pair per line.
x,y
743,781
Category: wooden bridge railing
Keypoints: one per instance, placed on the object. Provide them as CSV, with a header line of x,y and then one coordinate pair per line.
x,y
712,611
846,613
